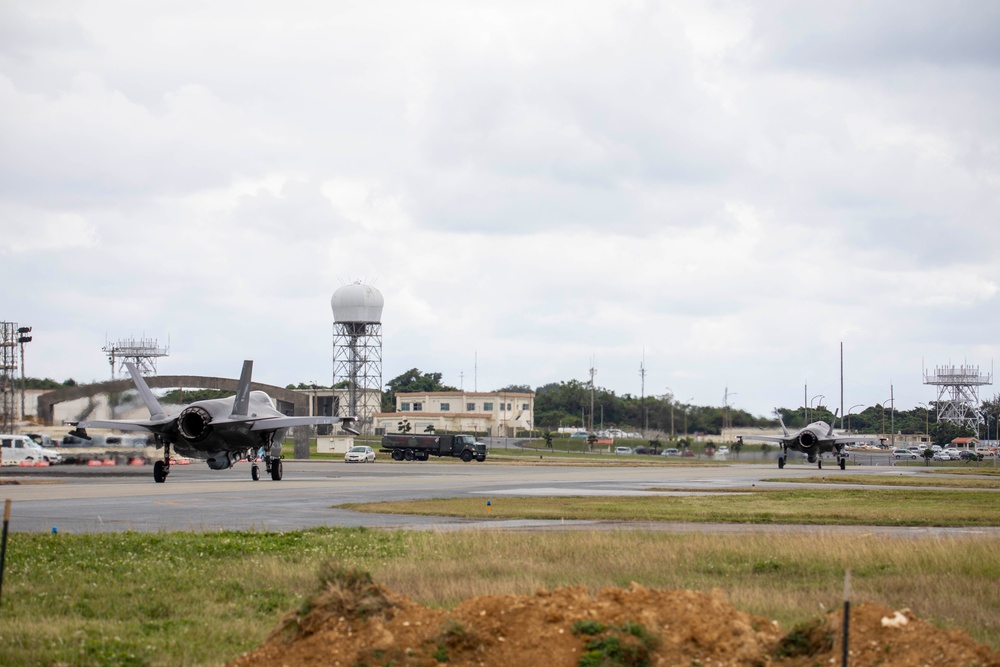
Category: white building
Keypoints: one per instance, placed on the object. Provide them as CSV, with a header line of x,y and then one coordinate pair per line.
x,y
489,414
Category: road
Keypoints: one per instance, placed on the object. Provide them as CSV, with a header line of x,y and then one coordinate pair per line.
x,y
80,499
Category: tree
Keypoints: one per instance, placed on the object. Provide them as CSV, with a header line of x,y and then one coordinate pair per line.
x,y
411,380
404,426
547,435
429,428
514,389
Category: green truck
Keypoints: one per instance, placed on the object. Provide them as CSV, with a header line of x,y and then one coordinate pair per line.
x,y
406,447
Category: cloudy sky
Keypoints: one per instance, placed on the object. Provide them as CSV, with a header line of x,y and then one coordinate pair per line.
x,y
726,190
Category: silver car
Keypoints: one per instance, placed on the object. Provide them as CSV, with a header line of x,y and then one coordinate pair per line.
x,y
360,454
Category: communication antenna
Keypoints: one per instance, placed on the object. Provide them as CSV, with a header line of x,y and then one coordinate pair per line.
x,y
958,393
143,352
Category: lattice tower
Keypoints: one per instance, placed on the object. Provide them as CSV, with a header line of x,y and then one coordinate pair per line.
x,y
357,349
143,352
958,393
8,376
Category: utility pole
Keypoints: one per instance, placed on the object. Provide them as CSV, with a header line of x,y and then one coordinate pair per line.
x,y
841,385
593,372
642,394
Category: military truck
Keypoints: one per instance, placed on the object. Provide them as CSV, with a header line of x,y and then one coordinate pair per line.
x,y
406,447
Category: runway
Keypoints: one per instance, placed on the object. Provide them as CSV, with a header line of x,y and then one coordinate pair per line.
x,y
78,499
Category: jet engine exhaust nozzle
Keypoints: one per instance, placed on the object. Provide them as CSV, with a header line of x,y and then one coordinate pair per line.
x,y
193,423
808,440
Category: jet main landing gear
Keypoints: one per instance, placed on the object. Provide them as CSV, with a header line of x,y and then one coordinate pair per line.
x,y
162,468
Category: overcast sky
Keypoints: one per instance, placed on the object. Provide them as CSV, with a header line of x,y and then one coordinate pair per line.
x,y
730,189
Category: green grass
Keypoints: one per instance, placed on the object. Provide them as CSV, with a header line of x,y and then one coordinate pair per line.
x,y
133,599
875,507
894,480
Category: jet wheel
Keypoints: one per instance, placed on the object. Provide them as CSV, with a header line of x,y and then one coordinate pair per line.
x,y
255,472
819,462
276,470
781,462
160,472
843,464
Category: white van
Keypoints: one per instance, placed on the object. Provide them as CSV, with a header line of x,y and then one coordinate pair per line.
x,y
17,449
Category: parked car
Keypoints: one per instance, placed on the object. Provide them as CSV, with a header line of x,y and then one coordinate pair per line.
x,y
941,456
670,452
623,450
953,452
19,449
904,454
360,454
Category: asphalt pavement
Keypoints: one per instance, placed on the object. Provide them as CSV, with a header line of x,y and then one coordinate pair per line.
x,y
84,499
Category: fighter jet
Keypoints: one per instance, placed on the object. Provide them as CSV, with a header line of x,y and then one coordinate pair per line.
x,y
222,431
813,441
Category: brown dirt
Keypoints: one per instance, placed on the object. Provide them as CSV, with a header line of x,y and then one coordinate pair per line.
x,y
362,623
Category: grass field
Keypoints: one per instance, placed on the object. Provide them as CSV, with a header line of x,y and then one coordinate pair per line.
x,y
871,507
196,599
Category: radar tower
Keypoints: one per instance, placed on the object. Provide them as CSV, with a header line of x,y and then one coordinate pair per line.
x,y
357,349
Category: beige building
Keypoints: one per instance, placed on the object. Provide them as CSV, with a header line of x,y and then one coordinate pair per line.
x,y
334,402
489,414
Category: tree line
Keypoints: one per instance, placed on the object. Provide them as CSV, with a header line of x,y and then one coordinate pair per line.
x,y
568,404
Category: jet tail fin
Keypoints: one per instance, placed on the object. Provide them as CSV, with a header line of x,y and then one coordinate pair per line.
x,y
241,402
834,421
781,421
153,405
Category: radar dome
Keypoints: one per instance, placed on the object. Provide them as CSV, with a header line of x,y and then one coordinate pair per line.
x,y
357,303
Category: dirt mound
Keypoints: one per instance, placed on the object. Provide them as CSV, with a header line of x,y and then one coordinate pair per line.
x,y
357,622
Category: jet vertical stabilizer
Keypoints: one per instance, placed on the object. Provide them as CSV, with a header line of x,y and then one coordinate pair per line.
x,y
153,405
241,402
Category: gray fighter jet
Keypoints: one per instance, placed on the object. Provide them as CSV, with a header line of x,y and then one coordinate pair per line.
x,y
814,440
222,431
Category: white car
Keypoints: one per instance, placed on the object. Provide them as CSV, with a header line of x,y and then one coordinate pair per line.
x,y
18,449
623,450
952,452
941,456
360,454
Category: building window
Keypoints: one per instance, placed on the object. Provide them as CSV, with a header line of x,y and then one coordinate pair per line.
x,y
470,407
445,407
417,407
524,406
404,407
508,407
488,407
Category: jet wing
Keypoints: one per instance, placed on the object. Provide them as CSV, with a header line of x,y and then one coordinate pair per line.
x,y
287,422
766,438
123,425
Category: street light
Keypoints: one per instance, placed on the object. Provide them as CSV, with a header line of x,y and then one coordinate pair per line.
x,y
890,401
21,340
686,406
927,423
849,415
811,403
669,397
